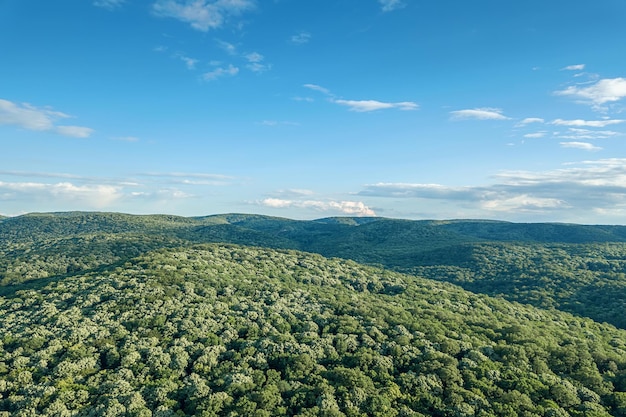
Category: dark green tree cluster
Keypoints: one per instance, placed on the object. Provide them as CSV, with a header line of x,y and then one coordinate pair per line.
x,y
585,279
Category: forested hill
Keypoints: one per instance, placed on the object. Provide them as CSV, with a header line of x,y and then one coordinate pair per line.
x,y
575,268
225,330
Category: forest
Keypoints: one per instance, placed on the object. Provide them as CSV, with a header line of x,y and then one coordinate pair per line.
x,y
108,314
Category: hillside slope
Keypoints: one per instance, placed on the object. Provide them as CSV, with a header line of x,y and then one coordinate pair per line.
x,y
574,268
228,330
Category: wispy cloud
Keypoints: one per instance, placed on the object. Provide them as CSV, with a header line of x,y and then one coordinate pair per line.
x,y
491,198
319,88
255,62
523,203
577,67
27,116
190,63
189,178
74,131
354,208
363,105
530,120
601,92
536,135
34,174
30,117
108,4
54,191
417,190
230,48
94,196
292,193
587,123
580,145
220,72
372,105
579,134
572,192
300,38
484,113
390,5
202,15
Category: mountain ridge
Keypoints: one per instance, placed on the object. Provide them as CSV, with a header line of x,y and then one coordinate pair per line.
x,y
563,266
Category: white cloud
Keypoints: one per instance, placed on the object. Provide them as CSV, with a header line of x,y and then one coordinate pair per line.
x,y
32,118
577,67
523,202
588,123
277,203
190,63
576,133
363,105
40,174
27,116
574,192
354,208
530,120
228,47
371,105
169,194
220,72
409,190
254,57
50,191
255,62
189,178
390,5
74,131
93,196
301,38
187,174
108,4
293,192
316,87
580,145
202,15
603,91
485,113
535,135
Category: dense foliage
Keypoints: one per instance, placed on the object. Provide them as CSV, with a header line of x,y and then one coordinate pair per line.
x,y
226,330
573,268
585,279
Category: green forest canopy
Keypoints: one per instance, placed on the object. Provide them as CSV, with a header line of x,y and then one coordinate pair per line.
x,y
229,330
574,268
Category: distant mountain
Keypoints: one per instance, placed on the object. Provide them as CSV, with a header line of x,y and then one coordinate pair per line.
x,y
56,225
564,266
227,330
536,232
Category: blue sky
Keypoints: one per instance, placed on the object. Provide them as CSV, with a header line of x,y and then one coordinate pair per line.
x,y
511,110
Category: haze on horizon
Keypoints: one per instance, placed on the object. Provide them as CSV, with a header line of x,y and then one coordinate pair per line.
x,y
307,109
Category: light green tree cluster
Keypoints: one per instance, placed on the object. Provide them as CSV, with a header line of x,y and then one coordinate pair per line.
x,y
219,330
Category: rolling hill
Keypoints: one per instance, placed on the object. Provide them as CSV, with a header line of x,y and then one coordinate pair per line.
x,y
226,330
574,268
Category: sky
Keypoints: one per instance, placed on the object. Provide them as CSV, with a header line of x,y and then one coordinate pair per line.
x,y
486,109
